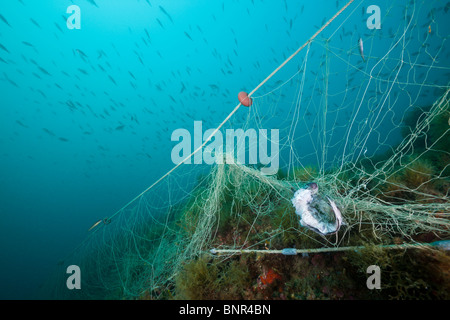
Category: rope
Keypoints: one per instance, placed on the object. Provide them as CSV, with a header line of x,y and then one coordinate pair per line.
x,y
234,111
445,245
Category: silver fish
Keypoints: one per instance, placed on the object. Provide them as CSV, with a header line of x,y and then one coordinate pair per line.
x,y
361,48
95,224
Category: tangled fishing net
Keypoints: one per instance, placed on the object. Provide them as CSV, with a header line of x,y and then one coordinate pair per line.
x,y
372,135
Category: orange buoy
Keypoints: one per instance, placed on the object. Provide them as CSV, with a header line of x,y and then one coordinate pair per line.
x,y
244,99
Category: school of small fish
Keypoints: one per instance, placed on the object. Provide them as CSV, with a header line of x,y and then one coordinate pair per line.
x,y
162,98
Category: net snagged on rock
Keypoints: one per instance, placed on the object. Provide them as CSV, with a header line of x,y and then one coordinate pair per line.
x,y
378,160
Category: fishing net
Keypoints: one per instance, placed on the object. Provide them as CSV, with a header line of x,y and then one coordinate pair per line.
x,y
373,135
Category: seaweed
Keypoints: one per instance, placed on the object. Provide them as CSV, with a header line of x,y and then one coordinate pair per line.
x,y
204,278
405,274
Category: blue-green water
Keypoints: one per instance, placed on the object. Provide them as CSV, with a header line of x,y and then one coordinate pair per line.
x,y
86,115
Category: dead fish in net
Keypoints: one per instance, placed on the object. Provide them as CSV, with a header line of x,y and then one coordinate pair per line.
x,y
318,213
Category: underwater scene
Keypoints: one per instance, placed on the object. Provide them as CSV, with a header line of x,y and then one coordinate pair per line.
x,y
225,149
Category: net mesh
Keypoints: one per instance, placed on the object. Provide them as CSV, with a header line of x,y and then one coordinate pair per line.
x,y
372,134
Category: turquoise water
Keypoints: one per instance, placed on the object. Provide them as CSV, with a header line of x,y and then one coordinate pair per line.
x,y
86,115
